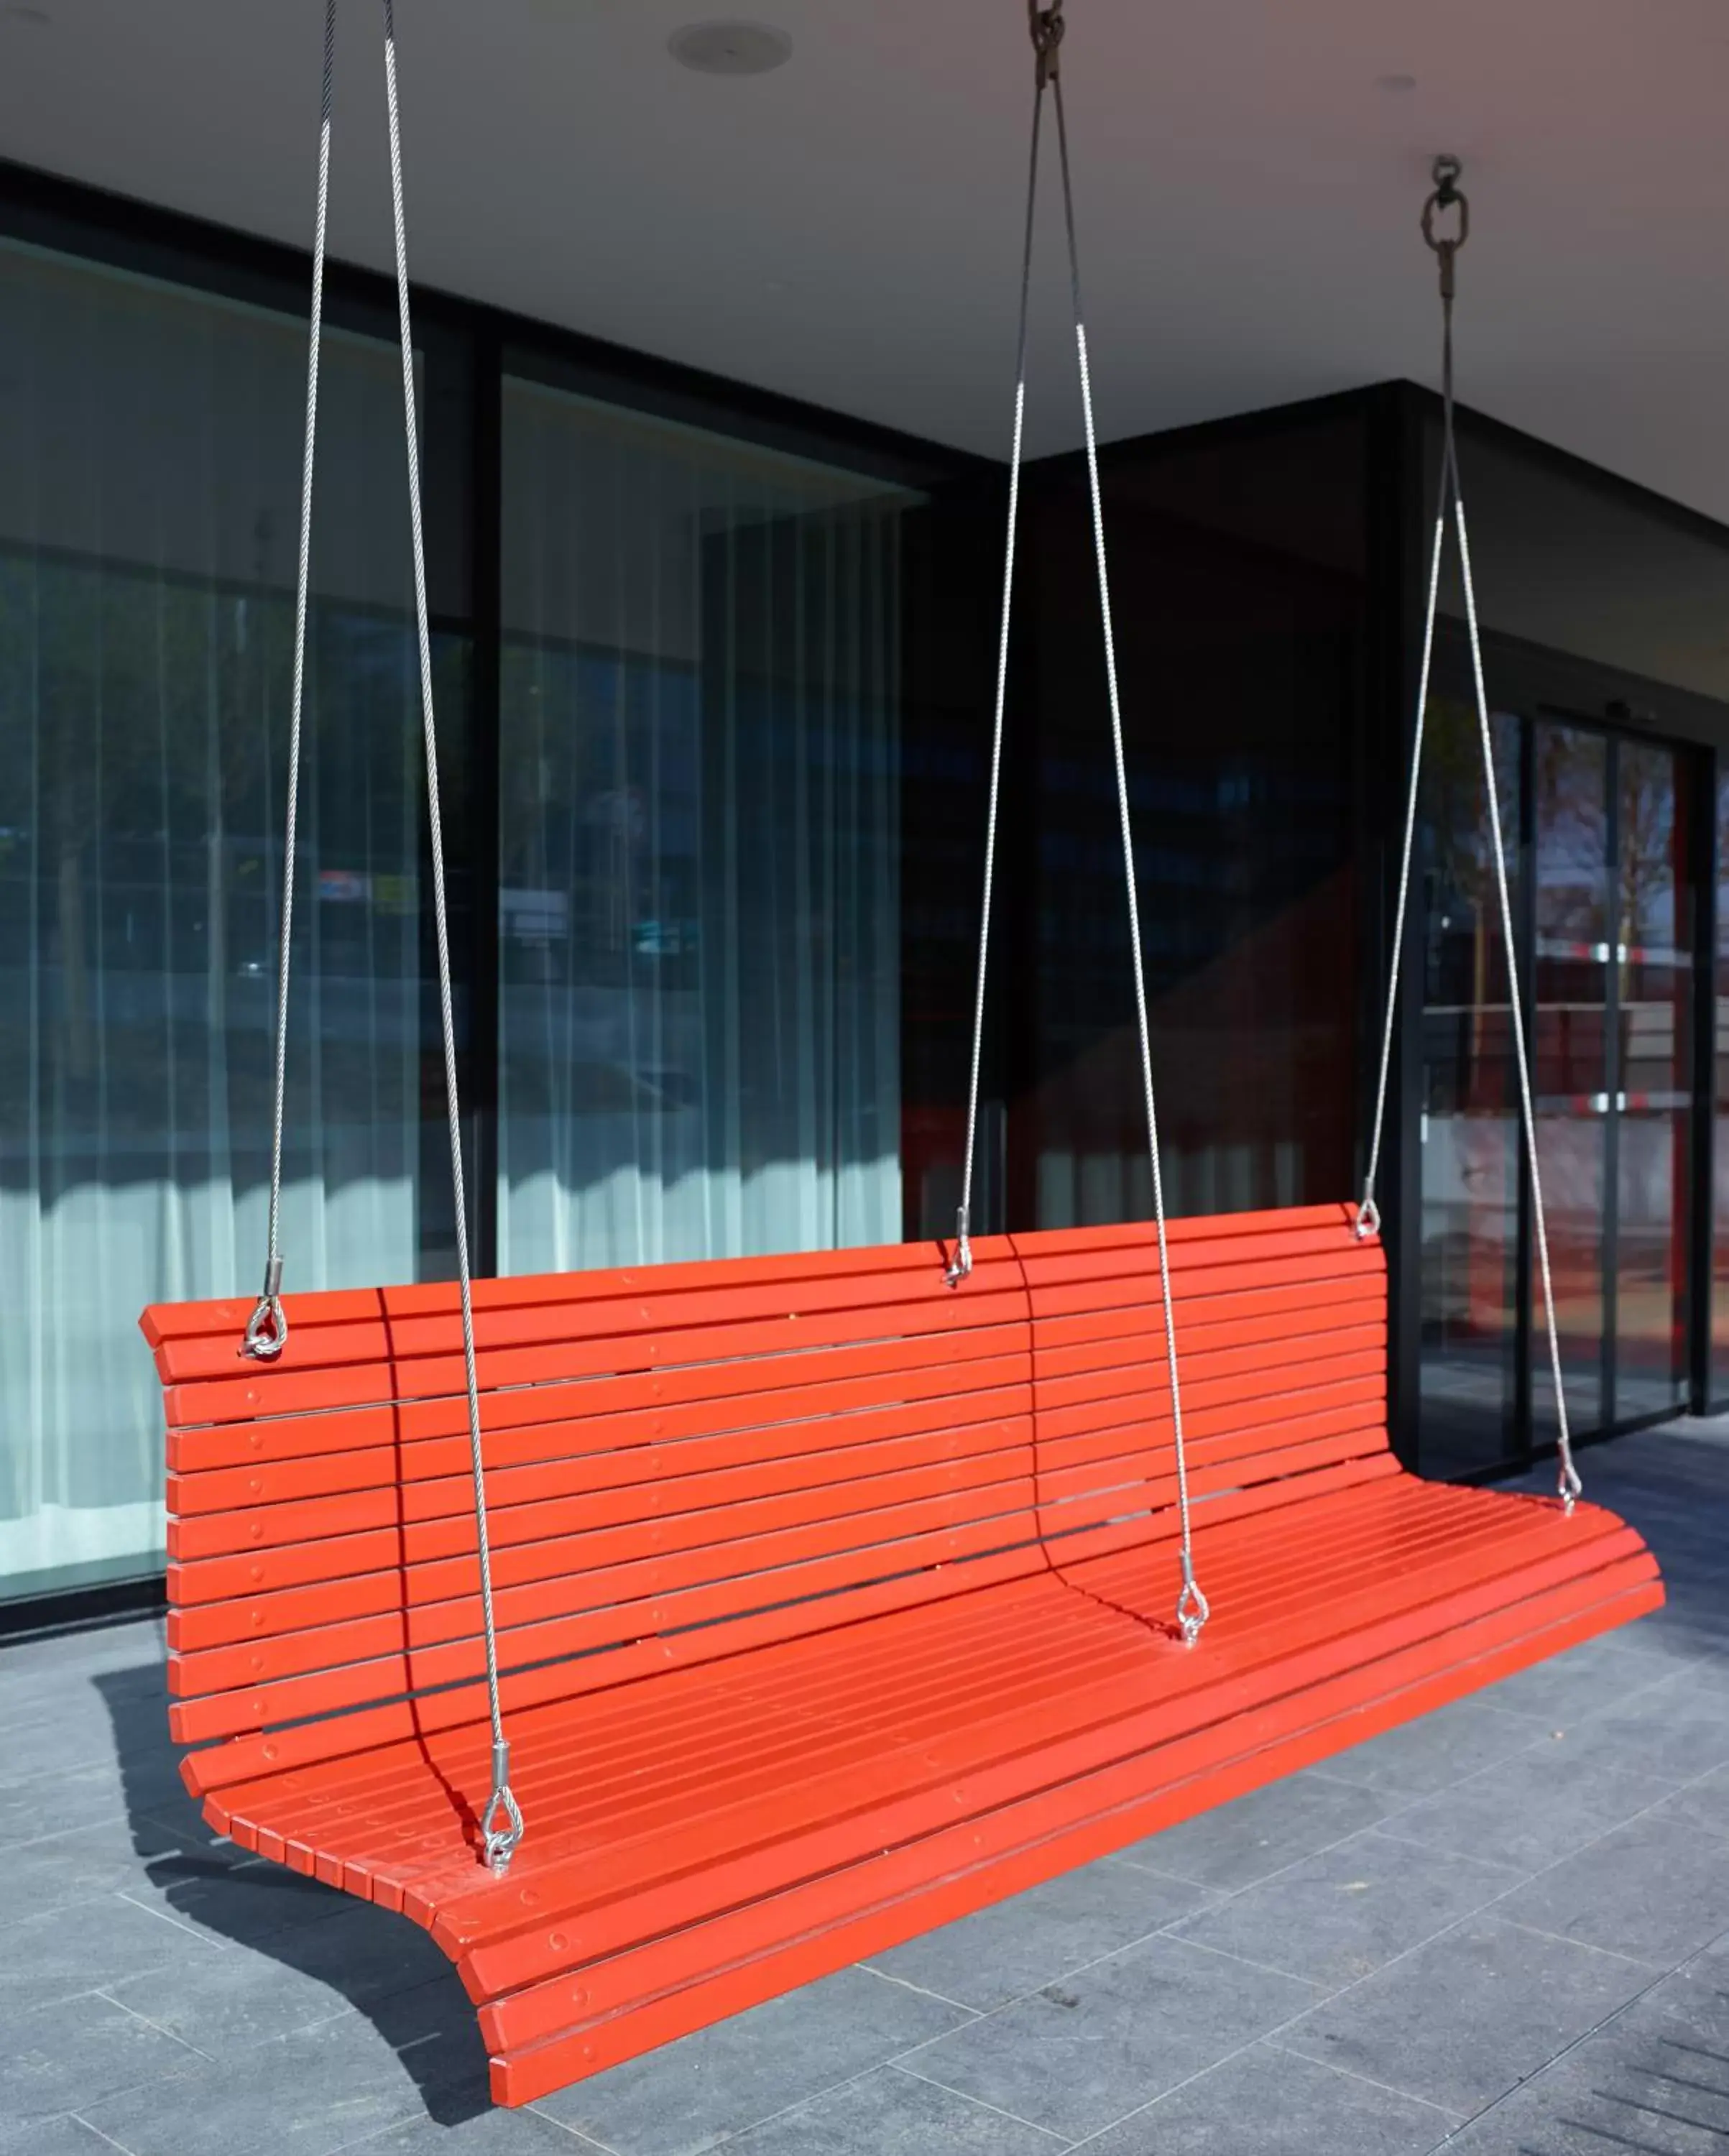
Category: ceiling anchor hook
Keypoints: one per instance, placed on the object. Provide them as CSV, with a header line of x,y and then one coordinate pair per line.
x,y
1448,195
1046,26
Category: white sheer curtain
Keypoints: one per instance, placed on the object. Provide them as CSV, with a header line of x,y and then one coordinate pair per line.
x,y
700,1003
149,460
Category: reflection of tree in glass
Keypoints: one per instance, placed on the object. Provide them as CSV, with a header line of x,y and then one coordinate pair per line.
x,y
1464,898
1648,880
1571,816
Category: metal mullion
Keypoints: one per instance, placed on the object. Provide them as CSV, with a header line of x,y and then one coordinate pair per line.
x,y
1524,958
1702,776
1609,1261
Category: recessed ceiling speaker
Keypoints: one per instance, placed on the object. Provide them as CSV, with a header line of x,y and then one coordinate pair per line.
x,y
730,47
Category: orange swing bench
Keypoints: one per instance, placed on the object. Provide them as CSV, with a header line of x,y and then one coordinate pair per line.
x,y
830,1597
832,1603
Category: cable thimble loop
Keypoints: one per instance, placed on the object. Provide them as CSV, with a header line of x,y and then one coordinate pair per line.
x,y
266,1328
1568,1483
1045,26
960,1266
1192,1607
501,1838
1368,1219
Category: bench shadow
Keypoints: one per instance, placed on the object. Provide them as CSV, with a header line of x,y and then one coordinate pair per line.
x,y
383,1967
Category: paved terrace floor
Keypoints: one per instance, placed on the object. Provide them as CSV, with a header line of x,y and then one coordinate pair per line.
x,y
1504,1929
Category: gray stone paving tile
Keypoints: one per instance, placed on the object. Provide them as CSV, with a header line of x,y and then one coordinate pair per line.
x,y
1704,1804
87,1946
52,1804
1438,1749
1261,1833
1675,1636
55,2136
695,2093
1703,1686
487,2132
1458,2021
309,2093
1333,1918
1655,2082
1654,1889
894,2113
128,1655
1080,2054
1267,2101
1657,1733
1033,1937
112,1856
1529,1810
61,2058
46,1737
1569,1686
305,1975
250,1902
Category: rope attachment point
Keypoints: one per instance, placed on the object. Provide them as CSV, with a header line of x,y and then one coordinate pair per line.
x,y
266,1328
1192,1607
501,1838
960,1266
1368,1220
1045,26
1447,196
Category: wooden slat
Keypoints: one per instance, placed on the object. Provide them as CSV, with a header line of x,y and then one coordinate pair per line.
x,y
964,1874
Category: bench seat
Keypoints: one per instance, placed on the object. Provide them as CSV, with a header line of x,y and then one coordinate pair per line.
x,y
857,1616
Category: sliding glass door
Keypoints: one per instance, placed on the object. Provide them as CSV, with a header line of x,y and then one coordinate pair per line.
x,y
1597,826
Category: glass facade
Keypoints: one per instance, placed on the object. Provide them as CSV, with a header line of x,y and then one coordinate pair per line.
x,y
1469,1128
149,467
714,682
699,905
1614,710
1241,600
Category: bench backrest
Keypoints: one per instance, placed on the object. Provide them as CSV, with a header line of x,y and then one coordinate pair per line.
x,y
683,1461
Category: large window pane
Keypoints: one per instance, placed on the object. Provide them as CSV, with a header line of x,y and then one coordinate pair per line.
x,y
698,917
1469,1116
1240,573
1653,1080
1719,1108
149,468
1571,1065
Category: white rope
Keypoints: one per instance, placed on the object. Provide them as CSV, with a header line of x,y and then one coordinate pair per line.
x,y
501,1822
1570,1485
961,1264
1193,1610
1368,1219
266,1328
1369,1214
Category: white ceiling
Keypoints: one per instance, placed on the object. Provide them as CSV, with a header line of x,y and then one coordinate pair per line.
x,y
845,229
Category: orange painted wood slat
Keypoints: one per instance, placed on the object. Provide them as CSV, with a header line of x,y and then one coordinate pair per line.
x,y
588,2047
950,1778
659,1952
661,1338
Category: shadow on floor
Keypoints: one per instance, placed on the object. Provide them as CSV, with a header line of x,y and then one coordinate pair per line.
x,y
383,1966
